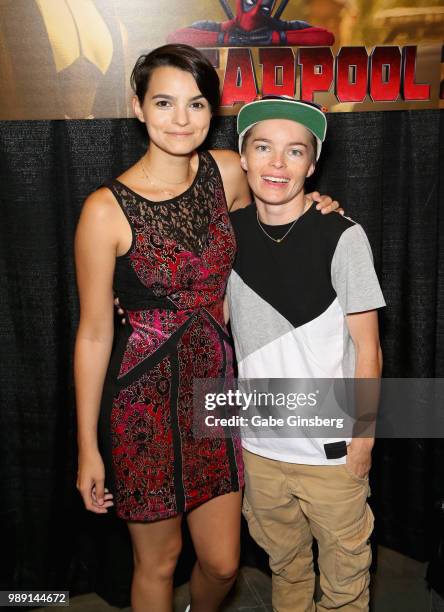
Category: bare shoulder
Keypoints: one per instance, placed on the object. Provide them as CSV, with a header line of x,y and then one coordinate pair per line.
x,y
234,179
101,222
227,160
225,156
100,205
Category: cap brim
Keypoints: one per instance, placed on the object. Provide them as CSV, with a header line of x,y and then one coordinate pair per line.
x,y
312,118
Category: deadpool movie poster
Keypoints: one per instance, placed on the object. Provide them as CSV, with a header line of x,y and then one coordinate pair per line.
x,y
71,59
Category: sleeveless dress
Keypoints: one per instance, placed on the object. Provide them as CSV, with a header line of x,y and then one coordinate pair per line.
x,y
171,284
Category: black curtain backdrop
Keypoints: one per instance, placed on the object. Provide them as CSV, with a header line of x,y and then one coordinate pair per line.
x,y
385,170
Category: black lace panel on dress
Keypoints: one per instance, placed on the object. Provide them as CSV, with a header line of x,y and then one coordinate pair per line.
x,y
184,218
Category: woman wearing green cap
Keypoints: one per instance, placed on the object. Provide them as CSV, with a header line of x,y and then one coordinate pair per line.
x,y
303,297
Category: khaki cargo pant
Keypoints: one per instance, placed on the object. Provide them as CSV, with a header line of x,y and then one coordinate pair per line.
x,y
288,504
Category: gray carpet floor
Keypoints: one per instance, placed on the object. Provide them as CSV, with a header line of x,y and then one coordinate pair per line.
x,y
398,586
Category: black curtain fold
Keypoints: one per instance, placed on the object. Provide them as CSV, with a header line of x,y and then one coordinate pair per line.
x,y
383,167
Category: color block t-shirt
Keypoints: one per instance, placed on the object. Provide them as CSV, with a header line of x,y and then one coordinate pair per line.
x,y
288,302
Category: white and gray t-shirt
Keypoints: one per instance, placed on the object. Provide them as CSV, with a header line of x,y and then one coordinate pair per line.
x,y
288,303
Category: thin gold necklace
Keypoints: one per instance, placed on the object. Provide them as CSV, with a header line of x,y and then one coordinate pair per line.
x,y
167,192
278,240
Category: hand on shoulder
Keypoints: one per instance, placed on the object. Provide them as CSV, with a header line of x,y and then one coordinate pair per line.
x,y
324,203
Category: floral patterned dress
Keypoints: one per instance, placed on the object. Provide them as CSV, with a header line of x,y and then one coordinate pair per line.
x,y
171,284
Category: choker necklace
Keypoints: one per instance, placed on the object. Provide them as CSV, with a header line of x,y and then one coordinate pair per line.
x,y
278,240
167,192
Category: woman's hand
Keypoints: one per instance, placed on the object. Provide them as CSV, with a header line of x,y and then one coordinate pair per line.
x,y
91,483
120,311
325,203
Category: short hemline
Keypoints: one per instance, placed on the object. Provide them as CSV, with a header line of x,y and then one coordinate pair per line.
x,y
173,513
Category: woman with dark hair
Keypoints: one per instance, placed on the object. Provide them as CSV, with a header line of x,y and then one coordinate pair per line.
x,y
160,237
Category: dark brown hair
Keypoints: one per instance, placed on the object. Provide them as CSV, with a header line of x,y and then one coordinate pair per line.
x,y
184,58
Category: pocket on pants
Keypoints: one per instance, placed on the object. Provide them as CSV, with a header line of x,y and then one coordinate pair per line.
x,y
353,476
354,554
364,482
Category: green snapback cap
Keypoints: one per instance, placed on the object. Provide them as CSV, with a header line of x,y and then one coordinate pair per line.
x,y
283,107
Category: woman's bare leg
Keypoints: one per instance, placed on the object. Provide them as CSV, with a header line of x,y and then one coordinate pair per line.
x,y
215,531
156,548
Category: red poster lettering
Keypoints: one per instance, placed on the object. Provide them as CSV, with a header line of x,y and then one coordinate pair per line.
x,y
240,80
274,60
410,89
351,74
316,71
385,74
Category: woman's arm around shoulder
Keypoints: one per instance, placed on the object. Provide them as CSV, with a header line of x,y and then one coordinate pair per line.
x,y
96,244
234,178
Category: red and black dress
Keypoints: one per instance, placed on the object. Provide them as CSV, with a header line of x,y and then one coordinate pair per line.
x,y
171,284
